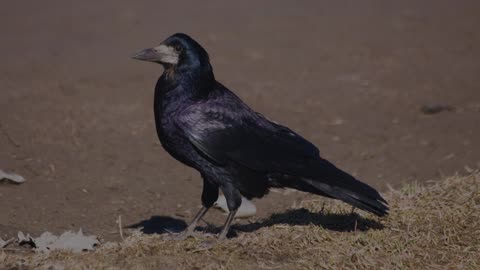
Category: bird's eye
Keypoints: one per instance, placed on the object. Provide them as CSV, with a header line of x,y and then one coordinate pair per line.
x,y
178,48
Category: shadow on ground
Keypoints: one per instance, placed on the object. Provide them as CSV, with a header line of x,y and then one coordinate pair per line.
x,y
330,221
159,225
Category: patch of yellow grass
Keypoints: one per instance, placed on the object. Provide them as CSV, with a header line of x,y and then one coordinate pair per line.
x,y
429,227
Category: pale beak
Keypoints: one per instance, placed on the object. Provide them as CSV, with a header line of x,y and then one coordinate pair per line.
x,y
159,54
148,55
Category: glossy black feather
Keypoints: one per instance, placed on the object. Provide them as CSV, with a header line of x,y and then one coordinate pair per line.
x,y
206,126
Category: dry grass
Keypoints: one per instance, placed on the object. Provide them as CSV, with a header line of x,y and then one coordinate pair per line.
x,y
432,227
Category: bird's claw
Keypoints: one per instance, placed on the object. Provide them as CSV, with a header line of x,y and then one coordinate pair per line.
x,y
183,235
207,244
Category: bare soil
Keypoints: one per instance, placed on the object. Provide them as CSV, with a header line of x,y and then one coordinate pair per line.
x,y
351,76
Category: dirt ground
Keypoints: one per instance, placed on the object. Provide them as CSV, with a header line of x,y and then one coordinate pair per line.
x,y
352,76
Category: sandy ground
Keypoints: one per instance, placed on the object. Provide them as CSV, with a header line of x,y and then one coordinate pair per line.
x,y
351,76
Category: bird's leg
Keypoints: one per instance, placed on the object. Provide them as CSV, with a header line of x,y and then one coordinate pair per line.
x,y
209,196
234,200
228,224
189,230
208,244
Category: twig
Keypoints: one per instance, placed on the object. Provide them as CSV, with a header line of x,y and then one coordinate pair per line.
x,y
10,139
119,221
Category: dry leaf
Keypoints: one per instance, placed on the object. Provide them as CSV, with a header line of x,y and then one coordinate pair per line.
x,y
75,242
15,178
5,243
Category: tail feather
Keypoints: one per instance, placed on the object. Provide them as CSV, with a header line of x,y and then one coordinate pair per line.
x,y
323,178
376,205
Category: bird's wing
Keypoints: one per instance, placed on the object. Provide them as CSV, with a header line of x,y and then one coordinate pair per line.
x,y
232,132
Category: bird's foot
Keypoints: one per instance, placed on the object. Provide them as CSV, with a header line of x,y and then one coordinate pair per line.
x,y
207,244
183,235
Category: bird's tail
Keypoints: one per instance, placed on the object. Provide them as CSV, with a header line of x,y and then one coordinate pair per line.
x,y
323,178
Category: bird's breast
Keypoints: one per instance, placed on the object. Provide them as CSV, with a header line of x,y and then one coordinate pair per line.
x,y
173,140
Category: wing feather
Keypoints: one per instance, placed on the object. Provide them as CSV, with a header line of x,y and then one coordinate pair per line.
x,y
248,139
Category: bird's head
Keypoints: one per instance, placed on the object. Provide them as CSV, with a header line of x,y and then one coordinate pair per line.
x,y
177,51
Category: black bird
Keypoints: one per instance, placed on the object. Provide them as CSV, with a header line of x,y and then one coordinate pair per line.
x,y
204,125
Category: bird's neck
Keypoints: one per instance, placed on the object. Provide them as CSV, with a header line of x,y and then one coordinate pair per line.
x,y
194,83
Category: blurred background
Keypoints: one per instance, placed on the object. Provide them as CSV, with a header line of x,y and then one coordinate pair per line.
x,y
388,90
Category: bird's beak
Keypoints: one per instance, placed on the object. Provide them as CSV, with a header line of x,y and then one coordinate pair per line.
x,y
146,55
159,54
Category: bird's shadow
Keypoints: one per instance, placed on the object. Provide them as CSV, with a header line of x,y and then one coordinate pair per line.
x,y
340,222
159,225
